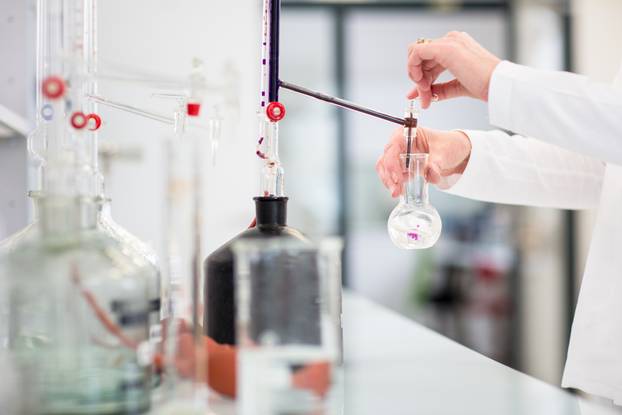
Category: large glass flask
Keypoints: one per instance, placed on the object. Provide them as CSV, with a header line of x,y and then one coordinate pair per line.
x,y
143,256
289,326
414,223
77,313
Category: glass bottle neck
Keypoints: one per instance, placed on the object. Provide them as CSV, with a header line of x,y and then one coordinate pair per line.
x,y
272,174
61,215
271,211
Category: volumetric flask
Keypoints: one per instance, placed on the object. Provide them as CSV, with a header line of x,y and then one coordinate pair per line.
x,y
414,223
288,297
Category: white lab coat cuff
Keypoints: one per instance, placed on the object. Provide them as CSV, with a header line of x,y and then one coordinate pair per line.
x,y
461,184
500,94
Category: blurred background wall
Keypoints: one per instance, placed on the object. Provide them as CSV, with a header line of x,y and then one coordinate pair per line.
x,y
502,280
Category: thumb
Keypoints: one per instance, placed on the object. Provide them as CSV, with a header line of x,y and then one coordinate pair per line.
x,y
448,90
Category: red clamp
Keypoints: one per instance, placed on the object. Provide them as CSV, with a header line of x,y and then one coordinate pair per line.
x,y
78,120
275,111
53,87
193,109
94,121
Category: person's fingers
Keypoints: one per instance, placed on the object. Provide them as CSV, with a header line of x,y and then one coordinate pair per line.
x,y
415,73
387,178
433,172
440,51
414,93
422,142
448,90
393,170
429,77
382,175
397,191
417,63
425,98
414,64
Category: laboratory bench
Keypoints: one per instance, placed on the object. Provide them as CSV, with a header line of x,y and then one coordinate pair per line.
x,y
395,366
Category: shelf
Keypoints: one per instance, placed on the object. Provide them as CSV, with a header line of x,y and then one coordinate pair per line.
x,y
12,124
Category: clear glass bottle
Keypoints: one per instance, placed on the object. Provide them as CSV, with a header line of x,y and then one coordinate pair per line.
x,y
414,223
142,255
76,308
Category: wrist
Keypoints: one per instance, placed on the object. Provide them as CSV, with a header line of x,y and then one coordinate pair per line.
x,y
465,150
495,62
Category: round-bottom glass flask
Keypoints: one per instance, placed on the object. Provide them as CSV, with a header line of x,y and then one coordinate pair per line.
x,y
414,223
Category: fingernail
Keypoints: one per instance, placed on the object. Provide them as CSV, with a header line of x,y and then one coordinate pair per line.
x,y
394,177
434,97
392,190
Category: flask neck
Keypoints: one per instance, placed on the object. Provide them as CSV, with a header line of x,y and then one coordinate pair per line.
x,y
415,187
271,211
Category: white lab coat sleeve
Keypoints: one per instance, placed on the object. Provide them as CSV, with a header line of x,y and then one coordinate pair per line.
x,y
561,108
517,170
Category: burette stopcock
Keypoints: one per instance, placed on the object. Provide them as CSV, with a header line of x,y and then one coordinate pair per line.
x,y
93,121
78,120
275,111
193,109
53,87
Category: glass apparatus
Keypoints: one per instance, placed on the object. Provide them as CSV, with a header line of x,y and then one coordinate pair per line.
x,y
271,204
77,313
414,223
289,326
185,359
76,302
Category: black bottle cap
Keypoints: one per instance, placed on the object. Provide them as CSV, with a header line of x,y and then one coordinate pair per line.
x,y
271,210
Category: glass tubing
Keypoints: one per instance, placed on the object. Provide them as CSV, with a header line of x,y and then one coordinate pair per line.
x,y
272,174
67,48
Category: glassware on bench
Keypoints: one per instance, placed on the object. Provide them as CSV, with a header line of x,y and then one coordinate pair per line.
x,y
77,313
288,296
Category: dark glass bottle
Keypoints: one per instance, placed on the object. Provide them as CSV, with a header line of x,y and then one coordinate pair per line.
x,y
271,214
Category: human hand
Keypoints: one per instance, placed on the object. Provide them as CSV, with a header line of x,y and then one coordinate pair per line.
x,y
449,153
456,52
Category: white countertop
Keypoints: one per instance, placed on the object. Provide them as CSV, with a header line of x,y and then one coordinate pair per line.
x,y
395,366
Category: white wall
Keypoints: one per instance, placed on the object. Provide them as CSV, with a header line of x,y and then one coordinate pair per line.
x,y
16,94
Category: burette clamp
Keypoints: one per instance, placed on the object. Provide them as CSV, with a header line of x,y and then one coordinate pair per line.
x,y
275,111
53,87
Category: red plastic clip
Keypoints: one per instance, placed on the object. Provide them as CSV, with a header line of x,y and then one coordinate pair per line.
x,y
193,109
94,121
53,87
275,111
78,120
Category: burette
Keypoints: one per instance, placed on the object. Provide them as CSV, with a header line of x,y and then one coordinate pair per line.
x,y
271,111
